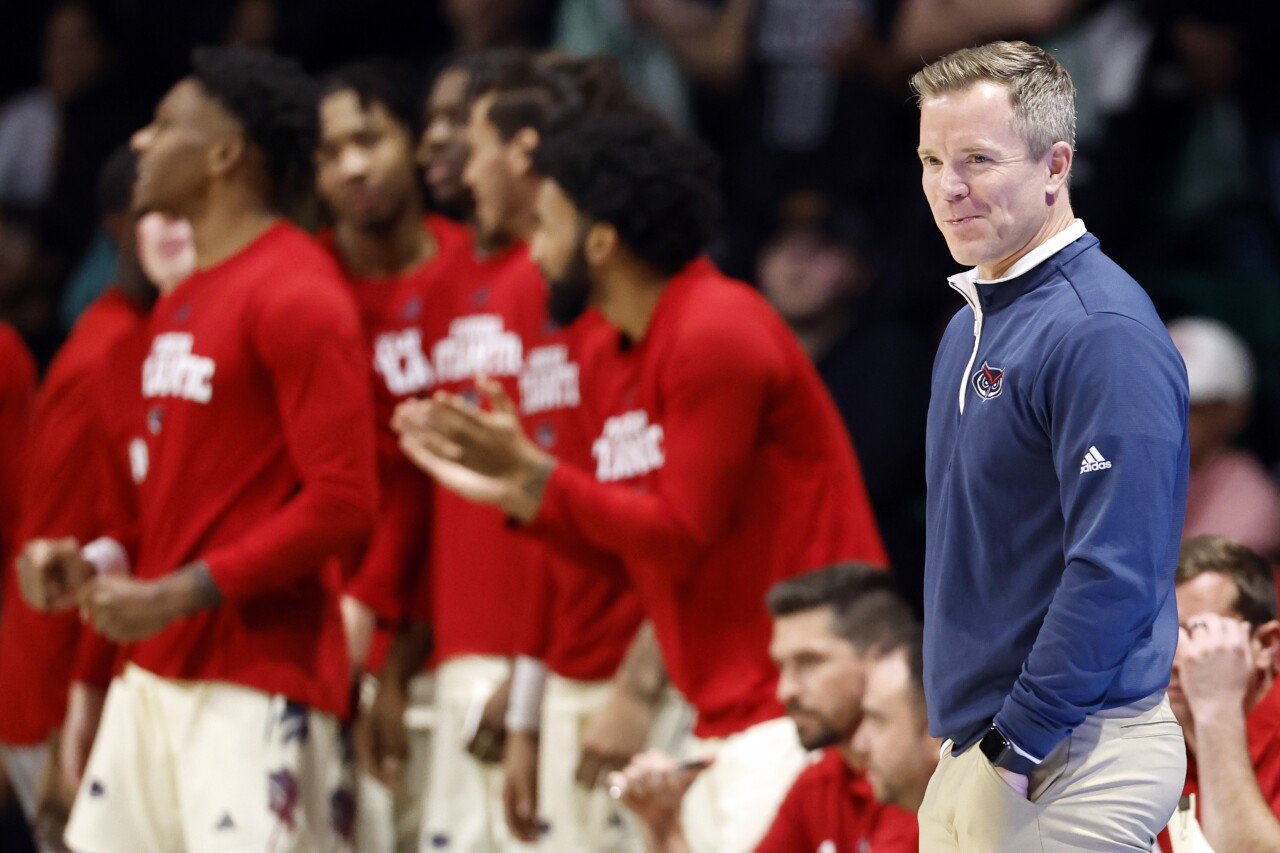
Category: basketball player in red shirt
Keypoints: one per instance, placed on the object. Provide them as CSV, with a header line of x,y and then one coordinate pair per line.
x,y
258,480
720,462
38,651
396,259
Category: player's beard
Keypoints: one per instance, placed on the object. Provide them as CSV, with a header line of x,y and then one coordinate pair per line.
x,y
383,222
570,292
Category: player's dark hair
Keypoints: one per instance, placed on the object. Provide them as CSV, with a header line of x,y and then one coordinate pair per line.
x,y
598,81
496,70
909,640
115,181
1249,572
866,609
275,102
657,187
394,85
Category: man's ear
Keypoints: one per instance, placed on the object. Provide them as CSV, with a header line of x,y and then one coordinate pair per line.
x,y
1059,161
1266,646
520,151
226,155
600,244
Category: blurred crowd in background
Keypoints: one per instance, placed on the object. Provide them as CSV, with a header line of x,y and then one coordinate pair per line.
x,y
806,101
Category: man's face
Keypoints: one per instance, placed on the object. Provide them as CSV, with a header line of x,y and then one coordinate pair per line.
x,y
488,175
175,149
986,191
806,276
558,247
820,677
894,736
166,250
364,163
442,153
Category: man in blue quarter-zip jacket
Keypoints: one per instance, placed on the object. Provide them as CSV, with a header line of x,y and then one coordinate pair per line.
x,y
1057,474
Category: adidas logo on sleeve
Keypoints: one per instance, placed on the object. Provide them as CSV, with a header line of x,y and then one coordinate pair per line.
x,y
1093,461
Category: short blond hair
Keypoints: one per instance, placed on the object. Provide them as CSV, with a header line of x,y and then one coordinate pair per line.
x,y
1040,89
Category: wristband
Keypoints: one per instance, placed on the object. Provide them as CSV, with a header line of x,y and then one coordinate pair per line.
x,y
524,708
107,556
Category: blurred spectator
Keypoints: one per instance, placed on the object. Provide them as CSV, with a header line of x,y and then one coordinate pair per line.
x,y
253,23
786,117
97,110
482,24
1223,693
818,269
1230,493
592,27
74,54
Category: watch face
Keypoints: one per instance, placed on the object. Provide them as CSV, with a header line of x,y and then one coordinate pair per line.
x,y
994,746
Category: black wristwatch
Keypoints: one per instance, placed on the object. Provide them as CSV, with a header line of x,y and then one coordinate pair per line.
x,y
1000,752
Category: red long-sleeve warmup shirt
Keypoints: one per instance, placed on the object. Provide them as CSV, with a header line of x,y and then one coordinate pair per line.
x,y
720,466
831,808
59,497
261,462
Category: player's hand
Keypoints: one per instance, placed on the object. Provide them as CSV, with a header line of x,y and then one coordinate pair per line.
x,y
653,786
615,734
358,622
483,456
53,799
84,712
487,743
1215,664
125,609
520,785
51,573
381,737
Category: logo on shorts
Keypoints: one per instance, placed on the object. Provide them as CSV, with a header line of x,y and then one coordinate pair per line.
x,y
295,723
439,841
988,381
96,789
225,823
342,813
283,794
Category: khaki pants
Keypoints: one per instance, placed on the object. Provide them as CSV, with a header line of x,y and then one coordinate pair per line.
x,y
1111,785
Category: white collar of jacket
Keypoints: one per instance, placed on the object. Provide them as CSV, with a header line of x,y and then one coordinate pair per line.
x,y
967,281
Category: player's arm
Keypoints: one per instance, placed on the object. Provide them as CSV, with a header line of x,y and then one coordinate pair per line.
x,y
619,729
309,338
376,593
1215,671
1108,384
714,391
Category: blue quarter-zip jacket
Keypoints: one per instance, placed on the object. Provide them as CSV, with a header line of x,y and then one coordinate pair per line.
x,y
1057,475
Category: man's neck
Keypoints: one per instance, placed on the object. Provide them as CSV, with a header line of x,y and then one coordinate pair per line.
x,y
226,223
1059,220
629,298
851,759
405,245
